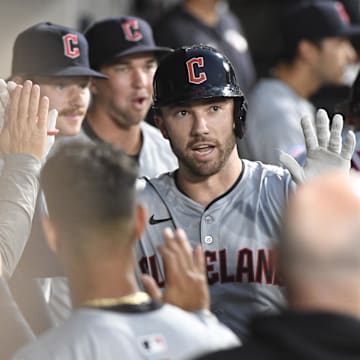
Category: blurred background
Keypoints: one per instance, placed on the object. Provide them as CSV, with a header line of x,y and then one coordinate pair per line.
x,y
17,15
258,20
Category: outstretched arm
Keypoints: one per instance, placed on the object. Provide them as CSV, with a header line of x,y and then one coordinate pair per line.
x,y
23,140
324,146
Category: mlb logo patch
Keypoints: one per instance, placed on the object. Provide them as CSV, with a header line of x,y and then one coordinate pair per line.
x,y
152,344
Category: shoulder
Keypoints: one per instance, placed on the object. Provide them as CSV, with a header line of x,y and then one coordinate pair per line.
x,y
267,177
272,92
258,168
201,325
82,336
161,183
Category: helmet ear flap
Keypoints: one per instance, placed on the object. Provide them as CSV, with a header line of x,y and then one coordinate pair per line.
x,y
240,109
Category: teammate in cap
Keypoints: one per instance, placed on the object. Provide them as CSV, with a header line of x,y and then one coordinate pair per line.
x,y
93,224
230,206
123,49
56,58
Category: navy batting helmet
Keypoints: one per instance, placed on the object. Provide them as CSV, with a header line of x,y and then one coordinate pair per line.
x,y
195,73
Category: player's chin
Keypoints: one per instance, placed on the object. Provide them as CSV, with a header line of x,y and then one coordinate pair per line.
x,y
70,130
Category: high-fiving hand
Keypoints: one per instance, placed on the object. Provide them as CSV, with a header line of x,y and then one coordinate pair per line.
x,y
185,275
27,125
325,149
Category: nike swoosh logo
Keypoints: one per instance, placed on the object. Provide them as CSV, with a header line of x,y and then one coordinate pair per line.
x,y
153,221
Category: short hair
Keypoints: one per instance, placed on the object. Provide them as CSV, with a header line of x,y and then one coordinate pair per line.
x,y
89,186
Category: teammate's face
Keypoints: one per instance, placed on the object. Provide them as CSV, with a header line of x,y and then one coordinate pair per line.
x,y
332,57
127,95
201,134
70,96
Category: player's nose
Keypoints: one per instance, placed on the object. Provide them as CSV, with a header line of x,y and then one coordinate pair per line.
x,y
200,125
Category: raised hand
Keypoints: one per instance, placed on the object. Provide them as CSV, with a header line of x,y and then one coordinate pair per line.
x,y
185,276
25,127
325,149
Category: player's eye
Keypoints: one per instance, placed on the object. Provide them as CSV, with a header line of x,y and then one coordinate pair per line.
x,y
181,113
151,65
215,108
121,68
85,84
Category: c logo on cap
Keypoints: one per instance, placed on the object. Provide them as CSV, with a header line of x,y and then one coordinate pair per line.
x,y
131,30
71,46
190,64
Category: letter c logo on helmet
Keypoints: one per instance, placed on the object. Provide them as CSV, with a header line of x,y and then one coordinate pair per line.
x,y
190,65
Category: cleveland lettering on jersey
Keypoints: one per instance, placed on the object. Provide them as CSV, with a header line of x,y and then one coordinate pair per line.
x,y
251,267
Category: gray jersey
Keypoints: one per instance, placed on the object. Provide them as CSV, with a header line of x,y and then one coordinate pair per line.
x,y
19,187
164,332
237,231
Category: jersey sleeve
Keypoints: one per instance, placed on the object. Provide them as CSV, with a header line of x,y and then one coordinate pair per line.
x,y
19,187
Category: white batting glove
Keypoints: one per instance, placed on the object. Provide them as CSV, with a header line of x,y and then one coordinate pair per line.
x,y
5,89
325,150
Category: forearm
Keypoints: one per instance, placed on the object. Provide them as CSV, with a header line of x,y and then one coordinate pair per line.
x,y
19,187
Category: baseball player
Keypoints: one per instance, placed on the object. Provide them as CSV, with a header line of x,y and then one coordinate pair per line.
x,y
56,58
321,263
231,206
123,49
93,224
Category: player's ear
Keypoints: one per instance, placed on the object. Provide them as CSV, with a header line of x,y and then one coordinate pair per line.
x,y
140,220
93,86
50,234
159,121
308,51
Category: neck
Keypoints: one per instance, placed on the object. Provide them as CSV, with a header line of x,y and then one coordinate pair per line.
x,y
106,128
205,10
297,77
204,190
94,279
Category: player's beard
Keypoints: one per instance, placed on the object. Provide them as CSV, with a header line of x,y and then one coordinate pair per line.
x,y
206,168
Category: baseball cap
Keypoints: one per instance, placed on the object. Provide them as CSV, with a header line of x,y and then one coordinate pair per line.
x,y
116,37
318,19
47,49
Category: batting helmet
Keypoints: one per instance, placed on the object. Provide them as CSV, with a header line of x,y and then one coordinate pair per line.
x,y
195,73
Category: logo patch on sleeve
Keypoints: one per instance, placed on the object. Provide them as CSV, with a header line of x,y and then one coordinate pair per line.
x,y
152,344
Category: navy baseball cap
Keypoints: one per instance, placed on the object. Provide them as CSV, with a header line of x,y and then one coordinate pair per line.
x,y
111,38
47,49
318,19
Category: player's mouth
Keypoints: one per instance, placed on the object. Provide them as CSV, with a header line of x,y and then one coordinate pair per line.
x,y
202,151
73,115
140,102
